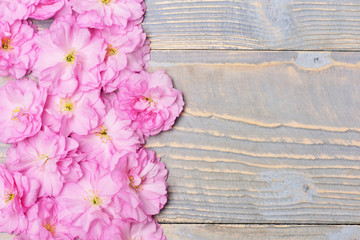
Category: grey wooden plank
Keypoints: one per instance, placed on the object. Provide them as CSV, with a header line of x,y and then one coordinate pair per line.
x,y
251,232
266,137
257,24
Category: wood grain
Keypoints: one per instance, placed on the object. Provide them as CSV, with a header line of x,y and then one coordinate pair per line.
x,y
265,138
257,24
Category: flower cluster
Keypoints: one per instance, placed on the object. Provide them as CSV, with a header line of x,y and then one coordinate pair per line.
x,y
77,107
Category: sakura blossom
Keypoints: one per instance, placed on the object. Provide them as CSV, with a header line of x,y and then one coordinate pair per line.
x,y
69,57
21,106
44,157
46,9
18,51
142,230
12,10
150,101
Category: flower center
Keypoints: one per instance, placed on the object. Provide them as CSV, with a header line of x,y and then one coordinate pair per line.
x,y
43,157
50,228
9,197
133,185
110,51
5,44
94,198
66,105
70,58
103,134
106,2
14,115
149,100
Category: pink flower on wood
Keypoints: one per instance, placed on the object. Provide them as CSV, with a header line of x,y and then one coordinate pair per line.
x,y
78,114
21,105
89,199
18,51
46,9
143,177
150,101
17,194
125,49
106,13
12,10
69,58
113,135
47,157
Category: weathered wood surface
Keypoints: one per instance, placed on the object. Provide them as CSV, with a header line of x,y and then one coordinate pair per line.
x,y
266,137
254,232
255,24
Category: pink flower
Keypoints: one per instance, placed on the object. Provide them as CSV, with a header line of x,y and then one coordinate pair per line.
x,y
46,9
90,199
69,58
113,135
105,13
12,10
150,101
125,49
79,113
142,231
17,194
143,178
46,157
18,51
21,105
45,222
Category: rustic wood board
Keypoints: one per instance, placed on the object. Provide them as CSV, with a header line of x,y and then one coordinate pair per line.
x,y
256,24
266,137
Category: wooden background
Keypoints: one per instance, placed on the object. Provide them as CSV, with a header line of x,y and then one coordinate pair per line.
x,y
268,146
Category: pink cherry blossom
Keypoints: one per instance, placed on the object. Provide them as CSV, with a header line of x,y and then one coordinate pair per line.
x,y
17,194
45,157
106,13
45,223
143,177
125,49
113,135
46,9
78,114
150,101
21,105
18,51
89,199
142,231
69,58
12,10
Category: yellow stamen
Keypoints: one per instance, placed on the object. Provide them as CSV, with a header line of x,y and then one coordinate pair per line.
x,y
94,198
106,2
103,134
110,51
70,57
148,99
43,157
66,105
15,114
9,197
132,185
5,44
50,228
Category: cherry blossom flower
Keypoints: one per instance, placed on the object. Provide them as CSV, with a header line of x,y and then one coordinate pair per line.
x,y
45,222
106,13
18,51
113,135
45,9
94,193
125,49
150,101
17,194
12,10
45,157
69,58
79,113
143,178
21,105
